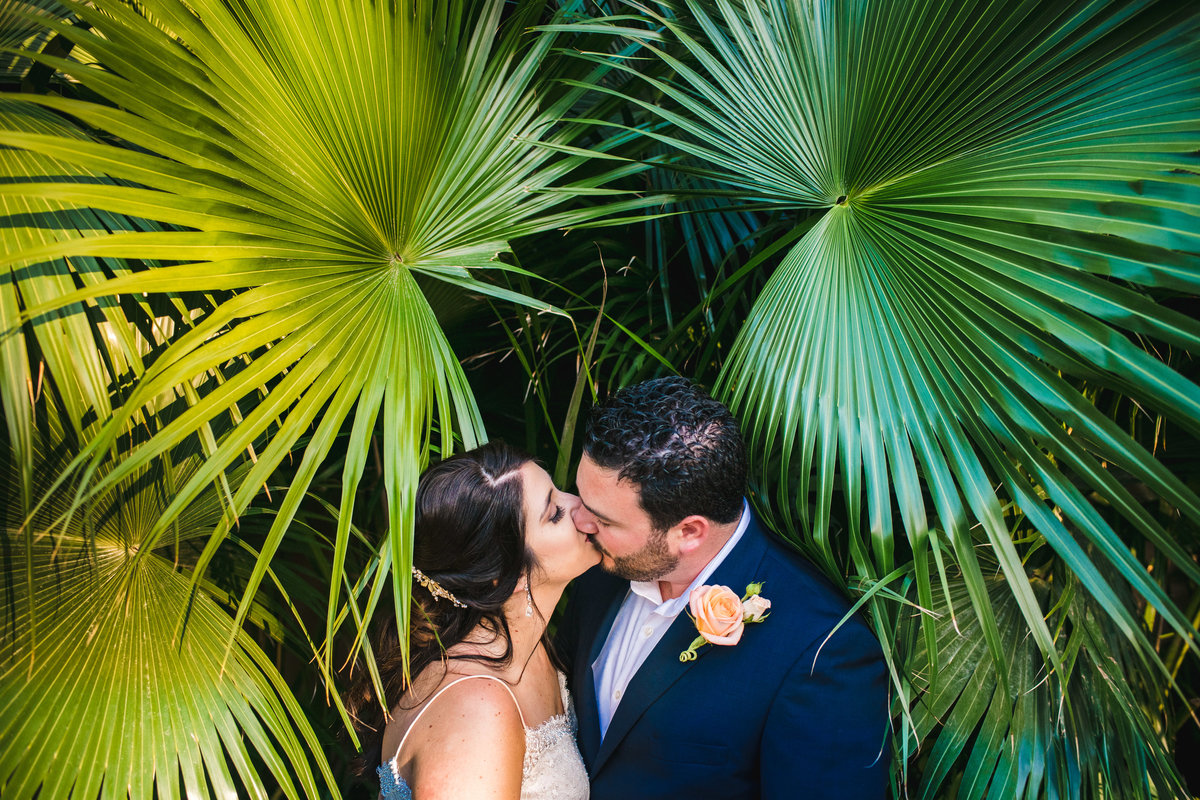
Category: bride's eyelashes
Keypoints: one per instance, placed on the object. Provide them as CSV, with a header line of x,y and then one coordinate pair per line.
x,y
558,514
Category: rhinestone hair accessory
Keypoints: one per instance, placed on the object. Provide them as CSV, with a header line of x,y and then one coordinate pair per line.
x,y
435,588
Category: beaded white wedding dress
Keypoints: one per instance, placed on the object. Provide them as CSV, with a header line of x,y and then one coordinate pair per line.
x,y
553,768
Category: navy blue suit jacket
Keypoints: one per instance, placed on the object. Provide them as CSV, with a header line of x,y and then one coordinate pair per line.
x,y
779,715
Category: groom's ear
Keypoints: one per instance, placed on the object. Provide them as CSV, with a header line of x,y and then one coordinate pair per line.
x,y
691,532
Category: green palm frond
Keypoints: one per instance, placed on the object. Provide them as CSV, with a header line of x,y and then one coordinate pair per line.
x,y
19,19
115,676
22,20
78,352
1038,733
999,194
935,313
312,160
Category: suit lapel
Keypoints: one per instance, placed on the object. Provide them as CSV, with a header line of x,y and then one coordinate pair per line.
x,y
662,667
586,710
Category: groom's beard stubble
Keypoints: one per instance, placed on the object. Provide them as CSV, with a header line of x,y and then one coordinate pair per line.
x,y
648,564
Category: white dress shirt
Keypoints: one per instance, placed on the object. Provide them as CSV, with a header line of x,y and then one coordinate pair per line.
x,y
640,624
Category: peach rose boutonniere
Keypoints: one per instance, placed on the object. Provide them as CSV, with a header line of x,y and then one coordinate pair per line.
x,y
721,617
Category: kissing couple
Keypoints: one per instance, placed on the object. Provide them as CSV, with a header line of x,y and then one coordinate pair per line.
x,y
694,658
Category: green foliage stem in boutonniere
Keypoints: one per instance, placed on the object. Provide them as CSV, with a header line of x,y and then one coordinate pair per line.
x,y
721,617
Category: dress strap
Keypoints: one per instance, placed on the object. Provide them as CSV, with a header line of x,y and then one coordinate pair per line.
x,y
438,694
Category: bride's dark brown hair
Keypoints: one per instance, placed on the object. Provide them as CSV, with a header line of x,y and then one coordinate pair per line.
x,y
469,536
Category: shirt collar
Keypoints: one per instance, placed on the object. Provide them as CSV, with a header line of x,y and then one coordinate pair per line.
x,y
649,589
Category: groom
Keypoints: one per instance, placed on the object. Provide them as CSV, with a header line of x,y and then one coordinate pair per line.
x,y
788,711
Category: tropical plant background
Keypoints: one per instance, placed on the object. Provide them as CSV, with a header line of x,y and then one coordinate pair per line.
x,y
264,259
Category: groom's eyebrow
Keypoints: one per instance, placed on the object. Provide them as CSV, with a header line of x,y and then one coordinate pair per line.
x,y
596,513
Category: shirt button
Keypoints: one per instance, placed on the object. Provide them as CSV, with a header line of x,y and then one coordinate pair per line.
x,y
648,630
617,694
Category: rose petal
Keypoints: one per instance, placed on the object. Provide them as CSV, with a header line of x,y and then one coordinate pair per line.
x,y
730,639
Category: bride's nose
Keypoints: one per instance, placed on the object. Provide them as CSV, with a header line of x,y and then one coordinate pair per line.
x,y
585,521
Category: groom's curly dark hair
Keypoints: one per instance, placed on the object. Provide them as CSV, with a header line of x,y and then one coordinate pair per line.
x,y
681,448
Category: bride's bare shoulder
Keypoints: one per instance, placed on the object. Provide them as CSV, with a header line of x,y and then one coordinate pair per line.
x,y
479,698
471,742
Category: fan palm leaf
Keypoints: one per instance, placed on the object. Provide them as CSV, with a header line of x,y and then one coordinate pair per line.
x,y
1003,192
105,644
1037,733
63,344
115,679
310,160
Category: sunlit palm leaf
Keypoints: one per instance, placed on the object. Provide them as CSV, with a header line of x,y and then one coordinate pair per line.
x,y
20,22
64,342
113,676
317,157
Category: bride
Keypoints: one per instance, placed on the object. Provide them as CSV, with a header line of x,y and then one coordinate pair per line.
x,y
487,713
